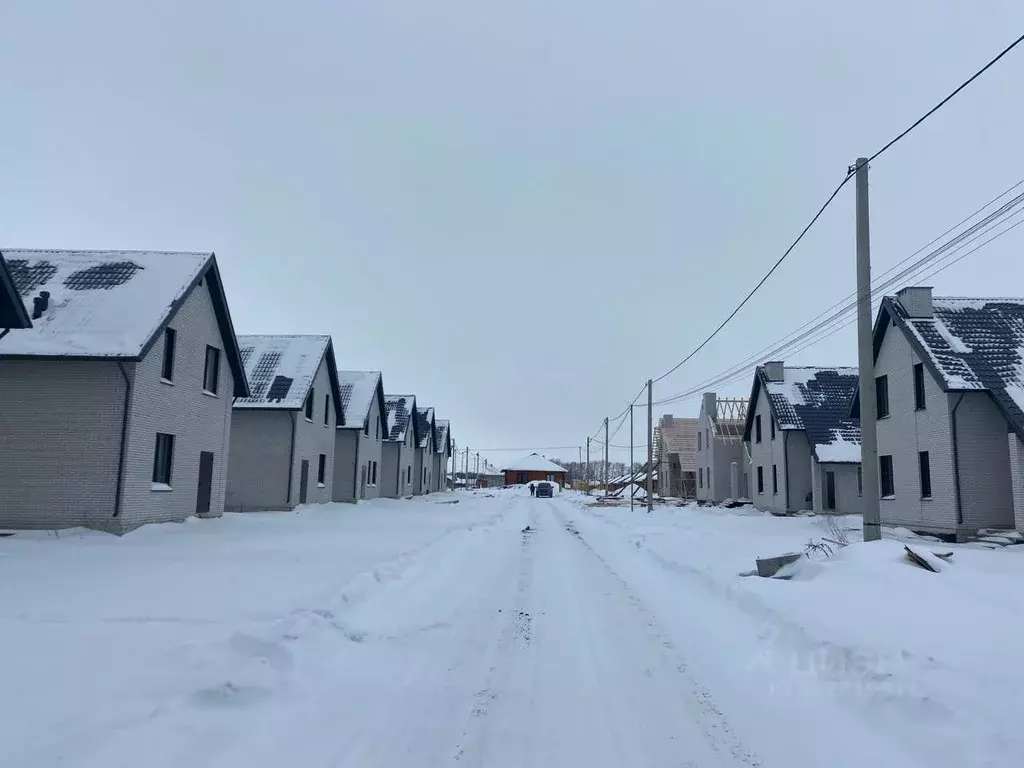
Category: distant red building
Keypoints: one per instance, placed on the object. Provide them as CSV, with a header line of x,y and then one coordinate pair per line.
x,y
532,469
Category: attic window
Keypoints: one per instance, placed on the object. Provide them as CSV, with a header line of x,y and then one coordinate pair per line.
x,y
327,410
167,367
211,371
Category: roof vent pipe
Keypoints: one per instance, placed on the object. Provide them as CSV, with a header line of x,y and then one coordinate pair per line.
x,y
39,304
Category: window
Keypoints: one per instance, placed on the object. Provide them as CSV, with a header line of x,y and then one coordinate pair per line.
x,y
709,477
376,429
860,482
772,419
885,475
760,479
366,427
321,469
757,428
700,477
167,369
307,407
775,479
926,475
882,396
327,410
163,458
707,438
919,386
699,438
375,473
211,372
408,475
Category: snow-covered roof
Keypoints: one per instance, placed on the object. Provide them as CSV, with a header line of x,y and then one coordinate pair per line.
x,y
534,463
110,304
425,424
401,410
12,309
442,434
358,388
969,344
679,436
816,400
281,370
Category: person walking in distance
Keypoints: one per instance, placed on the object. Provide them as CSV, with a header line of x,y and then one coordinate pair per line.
x,y
533,489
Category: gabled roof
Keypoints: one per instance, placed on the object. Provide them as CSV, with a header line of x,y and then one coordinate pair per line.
x,y
442,434
358,389
111,304
817,401
401,413
281,370
969,344
12,309
533,463
425,423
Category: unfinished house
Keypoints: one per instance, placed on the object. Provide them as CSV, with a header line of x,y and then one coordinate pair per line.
x,y
283,434
949,399
426,447
721,458
117,401
443,441
675,457
804,447
400,446
359,440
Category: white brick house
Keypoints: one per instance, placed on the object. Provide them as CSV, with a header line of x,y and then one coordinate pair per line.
x,y
443,441
803,445
13,315
359,442
116,404
283,434
400,446
949,392
423,466
719,447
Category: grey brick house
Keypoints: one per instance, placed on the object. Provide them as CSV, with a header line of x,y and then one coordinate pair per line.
x,y
400,445
803,444
283,433
359,441
949,391
426,447
117,401
720,446
443,441
675,456
13,315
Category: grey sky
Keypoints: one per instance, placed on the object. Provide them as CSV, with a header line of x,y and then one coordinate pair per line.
x,y
518,211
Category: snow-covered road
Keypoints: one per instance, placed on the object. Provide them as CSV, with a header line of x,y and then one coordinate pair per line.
x,y
509,631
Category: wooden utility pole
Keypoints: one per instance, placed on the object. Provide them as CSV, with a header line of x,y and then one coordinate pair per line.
x,y
588,467
631,475
605,455
866,360
650,447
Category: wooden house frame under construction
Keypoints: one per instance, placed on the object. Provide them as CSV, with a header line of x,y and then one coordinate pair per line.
x,y
722,466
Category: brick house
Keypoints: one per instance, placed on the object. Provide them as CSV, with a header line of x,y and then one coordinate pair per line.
x,y
720,448
804,446
423,463
949,393
675,456
283,433
13,315
400,445
532,469
443,441
117,401
359,441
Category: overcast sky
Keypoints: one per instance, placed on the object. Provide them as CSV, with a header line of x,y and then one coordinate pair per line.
x,y
517,211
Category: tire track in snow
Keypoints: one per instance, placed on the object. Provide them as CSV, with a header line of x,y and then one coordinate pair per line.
x,y
712,721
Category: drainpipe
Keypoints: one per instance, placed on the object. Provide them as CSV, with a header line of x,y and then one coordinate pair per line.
x,y
124,439
291,458
785,460
355,473
956,466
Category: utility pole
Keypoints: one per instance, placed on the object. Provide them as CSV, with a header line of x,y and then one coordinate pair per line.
x,y
632,488
650,447
465,468
605,455
588,466
476,480
866,361
455,460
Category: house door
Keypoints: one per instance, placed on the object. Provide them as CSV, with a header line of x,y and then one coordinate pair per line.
x,y
362,482
205,483
303,481
830,490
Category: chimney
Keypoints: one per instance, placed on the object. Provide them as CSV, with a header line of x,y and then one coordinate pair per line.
x,y
39,304
666,420
916,300
710,405
774,370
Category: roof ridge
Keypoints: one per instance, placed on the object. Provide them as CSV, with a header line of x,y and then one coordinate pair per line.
x,y
92,251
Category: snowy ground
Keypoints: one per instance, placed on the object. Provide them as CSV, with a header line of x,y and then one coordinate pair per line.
x,y
418,633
